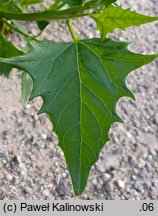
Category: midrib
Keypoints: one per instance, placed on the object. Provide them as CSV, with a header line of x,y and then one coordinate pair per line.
x,y
80,147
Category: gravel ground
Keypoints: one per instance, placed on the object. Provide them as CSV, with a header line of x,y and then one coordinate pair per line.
x,y
32,166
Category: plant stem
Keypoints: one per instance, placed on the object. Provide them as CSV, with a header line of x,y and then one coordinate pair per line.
x,y
18,30
74,37
62,5
2,29
49,15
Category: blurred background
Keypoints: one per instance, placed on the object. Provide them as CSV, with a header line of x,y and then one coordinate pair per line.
x,y
32,166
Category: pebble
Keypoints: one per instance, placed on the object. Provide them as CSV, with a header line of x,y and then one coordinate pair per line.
x,y
142,173
134,193
4,161
46,193
134,177
28,106
153,152
148,167
9,177
99,186
94,181
132,160
101,168
106,176
155,120
64,175
63,188
141,163
138,186
44,136
150,158
1,175
23,168
108,187
28,190
4,134
58,178
120,183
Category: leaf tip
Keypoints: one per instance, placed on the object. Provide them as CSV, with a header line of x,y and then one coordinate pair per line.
x,y
131,96
118,118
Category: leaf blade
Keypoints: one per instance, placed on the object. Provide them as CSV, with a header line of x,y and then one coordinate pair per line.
x,y
114,17
73,2
7,50
80,84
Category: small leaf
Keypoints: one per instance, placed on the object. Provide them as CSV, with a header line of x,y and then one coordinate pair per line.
x,y
30,2
80,83
80,2
7,50
26,88
10,6
107,2
114,17
42,25
16,6
73,2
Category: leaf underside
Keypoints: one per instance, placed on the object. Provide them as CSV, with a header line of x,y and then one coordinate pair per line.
x,y
26,87
80,84
113,17
16,6
7,50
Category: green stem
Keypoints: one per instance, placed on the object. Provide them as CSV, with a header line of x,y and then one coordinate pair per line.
x,y
74,37
60,6
49,15
18,30
2,29
55,5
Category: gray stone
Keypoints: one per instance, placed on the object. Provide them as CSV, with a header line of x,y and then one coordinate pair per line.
x,y
106,176
134,177
132,160
153,152
64,175
94,181
141,163
46,193
148,167
1,175
9,177
142,173
44,136
101,168
155,120
108,187
27,190
120,183
138,186
99,186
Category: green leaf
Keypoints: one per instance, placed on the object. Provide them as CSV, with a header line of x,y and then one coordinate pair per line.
x,y
80,2
16,6
5,2
26,88
10,6
80,83
106,2
7,50
42,25
30,2
114,17
73,2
